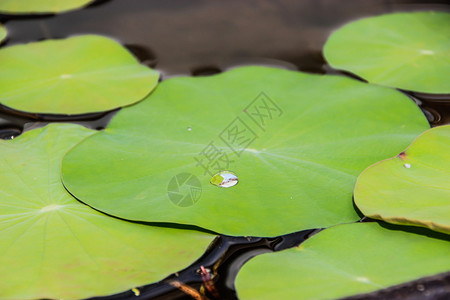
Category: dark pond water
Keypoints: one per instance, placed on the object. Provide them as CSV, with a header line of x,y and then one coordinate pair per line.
x,y
204,37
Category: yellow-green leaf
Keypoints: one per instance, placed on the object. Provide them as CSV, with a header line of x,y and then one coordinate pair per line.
x,y
412,188
81,74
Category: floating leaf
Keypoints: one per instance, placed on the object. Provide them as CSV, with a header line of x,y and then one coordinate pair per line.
x,y
81,74
40,6
410,51
343,261
412,188
3,32
54,247
297,149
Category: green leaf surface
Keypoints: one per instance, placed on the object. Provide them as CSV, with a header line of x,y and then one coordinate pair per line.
x,y
342,261
77,75
410,51
54,247
3,32
40,6
412,188
295,141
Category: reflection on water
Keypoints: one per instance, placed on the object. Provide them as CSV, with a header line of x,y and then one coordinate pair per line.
x,y
225,179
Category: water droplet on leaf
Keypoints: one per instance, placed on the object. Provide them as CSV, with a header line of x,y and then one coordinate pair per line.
x,y
225,179
407,166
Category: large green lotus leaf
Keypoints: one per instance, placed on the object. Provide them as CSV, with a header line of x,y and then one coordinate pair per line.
x,y
3,32
54,247
81,74
297,171
412,188
40,6
410,51
342,261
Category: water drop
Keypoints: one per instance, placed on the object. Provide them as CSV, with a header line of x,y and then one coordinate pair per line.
x,y
225,179
189,128
407,166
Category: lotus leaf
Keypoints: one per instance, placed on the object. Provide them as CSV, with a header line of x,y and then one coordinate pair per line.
x,y
295,141
40,6
342,261
410,51
413,187
81,74
3,32
54,247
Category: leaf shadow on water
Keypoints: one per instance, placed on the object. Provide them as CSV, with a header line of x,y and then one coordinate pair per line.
x,y
14,122
416,230
222,260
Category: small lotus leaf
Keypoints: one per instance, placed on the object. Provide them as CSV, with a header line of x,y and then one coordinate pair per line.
x,y
81,74
342,261
295,141
40,6
3,32
54,247
412,188
410,51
